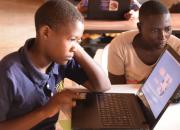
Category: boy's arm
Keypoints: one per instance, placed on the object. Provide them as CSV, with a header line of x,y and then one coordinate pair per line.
x,y
98,81
25,122
60,101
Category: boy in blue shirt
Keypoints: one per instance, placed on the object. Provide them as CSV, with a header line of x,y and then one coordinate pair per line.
x,y
31,78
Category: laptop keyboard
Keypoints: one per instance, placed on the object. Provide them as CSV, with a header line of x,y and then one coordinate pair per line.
x,y
113,110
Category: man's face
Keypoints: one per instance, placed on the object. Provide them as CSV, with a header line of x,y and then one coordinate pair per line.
x,y
156,30
61,44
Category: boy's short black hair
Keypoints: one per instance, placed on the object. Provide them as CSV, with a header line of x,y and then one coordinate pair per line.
x,y
151,7
56,12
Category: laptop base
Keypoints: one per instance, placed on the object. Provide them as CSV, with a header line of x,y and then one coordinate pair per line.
x,y
95,119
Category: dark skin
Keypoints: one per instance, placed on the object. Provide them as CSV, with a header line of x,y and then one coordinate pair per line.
x,y
154,32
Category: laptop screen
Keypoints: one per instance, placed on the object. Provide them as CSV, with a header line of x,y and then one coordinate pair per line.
x,y
107,9
162,83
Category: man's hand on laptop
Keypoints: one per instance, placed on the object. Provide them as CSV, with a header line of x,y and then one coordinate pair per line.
x,y
61,101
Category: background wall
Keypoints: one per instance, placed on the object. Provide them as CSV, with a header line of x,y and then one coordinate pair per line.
x,y
16,23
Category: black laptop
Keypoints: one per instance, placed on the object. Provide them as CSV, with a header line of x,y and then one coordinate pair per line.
x,y
123,111
107,9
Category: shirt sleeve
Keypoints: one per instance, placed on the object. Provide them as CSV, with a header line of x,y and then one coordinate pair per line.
x,y
116,59
174,42
6,95
75,72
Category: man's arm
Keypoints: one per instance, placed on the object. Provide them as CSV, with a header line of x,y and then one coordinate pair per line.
x,y
62,100
117,79
98,81
116,60
25,122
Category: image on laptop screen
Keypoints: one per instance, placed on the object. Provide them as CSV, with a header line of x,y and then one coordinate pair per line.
x,y
162,83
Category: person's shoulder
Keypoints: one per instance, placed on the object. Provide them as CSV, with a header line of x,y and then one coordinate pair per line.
x,y
125,37
126,34
9,61
130,32
174,39
174,42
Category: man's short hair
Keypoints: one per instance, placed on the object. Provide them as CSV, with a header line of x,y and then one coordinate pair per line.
x,y
57,12
151,7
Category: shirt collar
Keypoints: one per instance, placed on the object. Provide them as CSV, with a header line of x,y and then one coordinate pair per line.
x,y
33,72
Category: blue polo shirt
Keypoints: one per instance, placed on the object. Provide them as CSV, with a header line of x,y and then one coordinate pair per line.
x,y
23,88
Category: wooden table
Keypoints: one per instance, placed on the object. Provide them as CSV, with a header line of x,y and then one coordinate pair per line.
x,y
95,26
169,121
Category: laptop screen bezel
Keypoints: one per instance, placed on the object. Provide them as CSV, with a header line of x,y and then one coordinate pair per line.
x,y
151,120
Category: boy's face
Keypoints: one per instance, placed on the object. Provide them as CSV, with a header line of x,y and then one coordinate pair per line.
x,y
61,44
156,30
